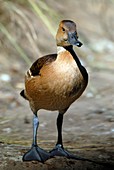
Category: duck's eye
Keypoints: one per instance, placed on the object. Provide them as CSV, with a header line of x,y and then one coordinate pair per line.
x,y
63,29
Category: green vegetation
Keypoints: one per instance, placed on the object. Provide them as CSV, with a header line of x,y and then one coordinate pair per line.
x,y
14,21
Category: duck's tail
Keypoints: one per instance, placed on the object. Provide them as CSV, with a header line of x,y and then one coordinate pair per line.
x,y
23,94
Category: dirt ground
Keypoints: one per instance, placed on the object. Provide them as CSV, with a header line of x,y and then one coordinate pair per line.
x,y
88,129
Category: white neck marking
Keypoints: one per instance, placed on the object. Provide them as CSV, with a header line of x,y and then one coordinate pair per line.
x,y
60,49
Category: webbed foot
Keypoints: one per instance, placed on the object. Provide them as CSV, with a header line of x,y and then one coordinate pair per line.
x,y
36,154
60,151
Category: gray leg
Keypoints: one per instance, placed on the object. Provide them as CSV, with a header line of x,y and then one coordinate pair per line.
x,y
36,153
35,128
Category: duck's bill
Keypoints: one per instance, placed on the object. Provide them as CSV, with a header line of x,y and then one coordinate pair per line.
x,y
73,40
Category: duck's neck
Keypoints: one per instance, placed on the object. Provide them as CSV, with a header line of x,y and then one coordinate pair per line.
x,y
81,68
70,49
60,49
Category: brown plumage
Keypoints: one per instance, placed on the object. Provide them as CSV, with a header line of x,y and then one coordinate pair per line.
x,y
55,81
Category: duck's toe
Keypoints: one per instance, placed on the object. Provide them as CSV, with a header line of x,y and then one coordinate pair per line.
x,y
36,154
60,151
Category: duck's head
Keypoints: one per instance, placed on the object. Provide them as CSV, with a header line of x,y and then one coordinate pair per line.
x,y
67,34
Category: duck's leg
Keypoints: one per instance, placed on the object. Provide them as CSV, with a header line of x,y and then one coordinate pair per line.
x,y
36,153
59,149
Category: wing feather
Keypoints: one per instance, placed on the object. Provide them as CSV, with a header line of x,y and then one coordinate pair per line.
x,y
38,64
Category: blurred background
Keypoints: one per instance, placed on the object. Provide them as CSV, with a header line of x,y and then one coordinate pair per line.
x,y
27,32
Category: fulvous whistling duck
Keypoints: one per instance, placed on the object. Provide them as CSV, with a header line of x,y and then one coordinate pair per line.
x,y
54,82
